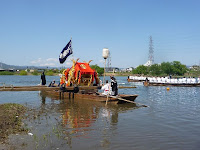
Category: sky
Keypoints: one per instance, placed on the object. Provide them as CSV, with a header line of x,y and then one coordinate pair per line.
x,y
34,32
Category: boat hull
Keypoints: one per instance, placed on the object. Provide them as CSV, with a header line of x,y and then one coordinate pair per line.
x,y
91,96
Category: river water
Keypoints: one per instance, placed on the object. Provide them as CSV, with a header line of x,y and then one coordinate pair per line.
x,y
172,120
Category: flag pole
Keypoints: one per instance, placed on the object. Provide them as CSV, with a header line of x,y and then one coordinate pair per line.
x,y
72,48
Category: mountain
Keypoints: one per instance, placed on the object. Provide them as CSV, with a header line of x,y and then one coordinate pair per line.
x,y
6,67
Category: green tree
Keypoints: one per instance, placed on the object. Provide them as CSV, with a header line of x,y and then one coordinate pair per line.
x,y
98,69
155,69
49,73
178,68
35,73
61,71
166,68
55,70
141,70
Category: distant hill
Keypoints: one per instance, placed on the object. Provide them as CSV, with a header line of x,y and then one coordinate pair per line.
x,y
7,67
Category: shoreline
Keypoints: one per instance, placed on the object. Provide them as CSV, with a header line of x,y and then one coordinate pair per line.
x,y
57,74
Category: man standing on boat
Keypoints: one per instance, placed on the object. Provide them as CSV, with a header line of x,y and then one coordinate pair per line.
x,y
43,78
114,86
106,88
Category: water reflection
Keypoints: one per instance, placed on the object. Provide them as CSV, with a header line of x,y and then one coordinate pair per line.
x,y
66,121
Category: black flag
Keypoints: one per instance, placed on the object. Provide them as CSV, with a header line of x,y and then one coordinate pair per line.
x,y
67,50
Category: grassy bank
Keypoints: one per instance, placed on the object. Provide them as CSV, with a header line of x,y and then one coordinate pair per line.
x,y
24,73
11,116
6,73
118,74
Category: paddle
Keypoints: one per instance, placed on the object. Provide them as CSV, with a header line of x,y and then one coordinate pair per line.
x,y
122,99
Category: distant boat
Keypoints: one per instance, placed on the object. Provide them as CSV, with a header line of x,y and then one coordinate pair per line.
x,y
165,81
147,83
136,78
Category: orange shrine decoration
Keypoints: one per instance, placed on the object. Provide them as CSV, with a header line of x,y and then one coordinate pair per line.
x,y
79,74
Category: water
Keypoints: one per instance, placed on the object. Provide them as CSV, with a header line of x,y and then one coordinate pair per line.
x,y
171,121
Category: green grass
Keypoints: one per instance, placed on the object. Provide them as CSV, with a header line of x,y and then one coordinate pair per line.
x,y
49,73
23,73
6,73
35,73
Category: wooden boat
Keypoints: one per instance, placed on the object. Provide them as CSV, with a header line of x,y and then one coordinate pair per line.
x,y
133,80
80,74
79,81
94,96
146,83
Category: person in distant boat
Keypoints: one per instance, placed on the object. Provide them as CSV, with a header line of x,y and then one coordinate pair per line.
x,y
114,86
106,88
53,84
43,78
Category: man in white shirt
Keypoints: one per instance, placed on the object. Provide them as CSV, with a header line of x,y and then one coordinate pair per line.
x,y
106,88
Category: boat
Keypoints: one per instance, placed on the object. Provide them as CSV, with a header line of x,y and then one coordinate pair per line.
x,y
147,83
165,81
136,78
77,82
81,75
81,92
91,95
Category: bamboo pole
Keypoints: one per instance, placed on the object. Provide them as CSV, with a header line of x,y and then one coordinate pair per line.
x,y
122,99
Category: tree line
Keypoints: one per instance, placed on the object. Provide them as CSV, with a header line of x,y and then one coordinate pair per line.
x,y
165,68
174,68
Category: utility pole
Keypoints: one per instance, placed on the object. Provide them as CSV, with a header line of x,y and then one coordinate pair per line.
x,y
151,51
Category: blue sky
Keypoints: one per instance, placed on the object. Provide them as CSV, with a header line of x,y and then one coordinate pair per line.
x,y
33,32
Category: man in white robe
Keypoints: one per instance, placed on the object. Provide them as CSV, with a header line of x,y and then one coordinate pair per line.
x,y
106,88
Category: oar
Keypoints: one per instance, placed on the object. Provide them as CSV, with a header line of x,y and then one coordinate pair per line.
x,y
122,99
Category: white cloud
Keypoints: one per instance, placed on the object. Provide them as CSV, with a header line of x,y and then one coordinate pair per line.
x,y
48,64
45,62
51,62
39,60
102,61
52,59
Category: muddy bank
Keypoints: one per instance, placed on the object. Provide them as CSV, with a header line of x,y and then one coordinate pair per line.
x,y
11,116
